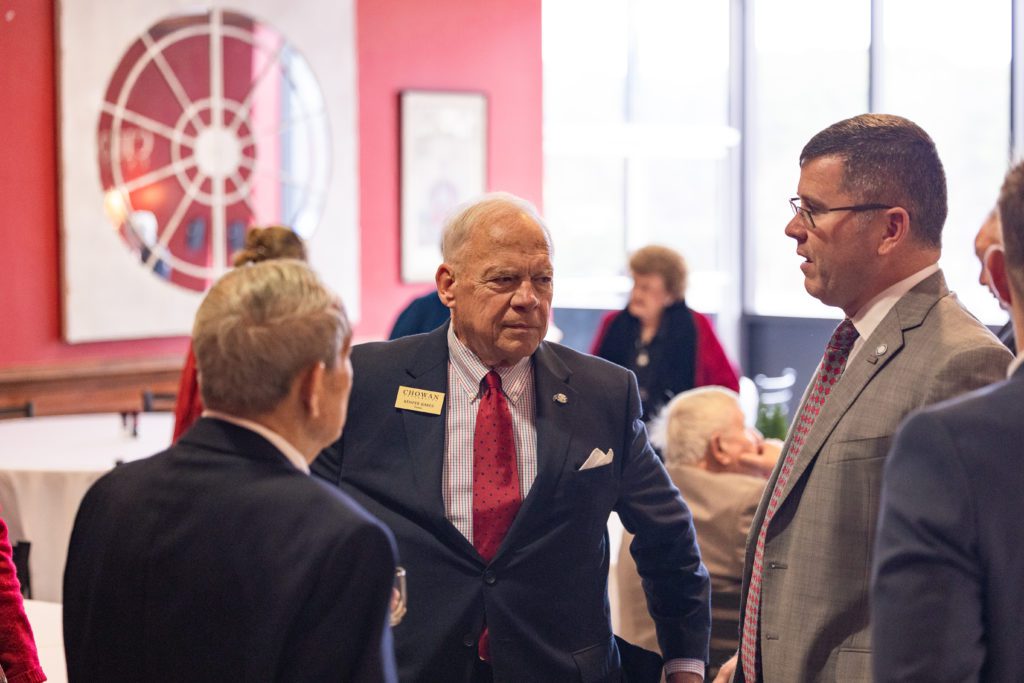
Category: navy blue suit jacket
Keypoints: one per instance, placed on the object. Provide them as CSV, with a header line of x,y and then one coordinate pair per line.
x,y
544,594
217,560
948,584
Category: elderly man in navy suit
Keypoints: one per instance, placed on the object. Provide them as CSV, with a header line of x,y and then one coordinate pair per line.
x,y
947,591
220,559
496,458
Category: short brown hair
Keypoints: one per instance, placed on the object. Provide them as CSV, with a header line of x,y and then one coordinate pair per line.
x,y
658,260
258,328
890,160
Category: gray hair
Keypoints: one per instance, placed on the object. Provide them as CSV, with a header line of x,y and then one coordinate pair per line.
x,y
890,160
683,428
489,209
258,328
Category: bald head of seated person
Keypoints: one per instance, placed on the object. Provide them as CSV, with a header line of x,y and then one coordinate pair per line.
x,y
496,458
707,446
220,558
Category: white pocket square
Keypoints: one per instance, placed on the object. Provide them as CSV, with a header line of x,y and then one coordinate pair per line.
x,y
598,458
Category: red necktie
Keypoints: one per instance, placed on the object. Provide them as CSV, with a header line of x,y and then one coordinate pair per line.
x,y
831,369
496,497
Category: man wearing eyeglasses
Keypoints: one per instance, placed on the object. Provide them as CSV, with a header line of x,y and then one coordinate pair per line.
x,y
868,217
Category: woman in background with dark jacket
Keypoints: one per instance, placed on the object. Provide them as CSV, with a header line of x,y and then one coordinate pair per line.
x,y
669,347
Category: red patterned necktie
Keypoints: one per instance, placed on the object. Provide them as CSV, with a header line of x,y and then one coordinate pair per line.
x,y
831,369
496,497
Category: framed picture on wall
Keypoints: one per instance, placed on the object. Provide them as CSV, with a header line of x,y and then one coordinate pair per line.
x,y
182,126
444,163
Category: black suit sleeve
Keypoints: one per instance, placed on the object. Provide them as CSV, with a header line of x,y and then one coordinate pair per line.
x,y
665,546
927,621
342,633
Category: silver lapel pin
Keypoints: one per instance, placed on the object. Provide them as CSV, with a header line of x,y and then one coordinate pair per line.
x,y
560,398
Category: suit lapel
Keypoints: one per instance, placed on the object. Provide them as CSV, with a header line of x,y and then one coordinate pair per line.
x,y
878,350
424,433
553,422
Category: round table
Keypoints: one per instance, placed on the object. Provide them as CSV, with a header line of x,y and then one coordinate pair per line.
x,y
46,466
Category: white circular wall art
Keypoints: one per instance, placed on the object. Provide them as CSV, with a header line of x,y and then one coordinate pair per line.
x,y
211,123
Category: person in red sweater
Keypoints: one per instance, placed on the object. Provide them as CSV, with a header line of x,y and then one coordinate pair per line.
x,y
18,655
669,347
261,244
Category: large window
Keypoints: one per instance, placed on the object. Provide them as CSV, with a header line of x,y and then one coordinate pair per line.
x,y
638,147
643,99
946,66
808,67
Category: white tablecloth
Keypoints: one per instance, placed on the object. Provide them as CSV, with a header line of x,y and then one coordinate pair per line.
x,y
48,632
46,466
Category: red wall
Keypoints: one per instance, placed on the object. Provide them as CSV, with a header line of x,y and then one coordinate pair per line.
x,y
491,46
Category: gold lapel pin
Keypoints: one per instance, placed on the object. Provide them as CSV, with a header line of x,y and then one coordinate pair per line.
x,y
560,398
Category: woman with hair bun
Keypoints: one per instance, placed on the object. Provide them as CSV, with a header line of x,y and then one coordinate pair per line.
x,y
261,244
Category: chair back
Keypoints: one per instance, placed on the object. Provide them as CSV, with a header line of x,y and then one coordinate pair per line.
x,y
26,409
725,628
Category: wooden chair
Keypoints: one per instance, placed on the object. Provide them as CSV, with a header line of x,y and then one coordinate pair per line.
x,y
158,401
19,554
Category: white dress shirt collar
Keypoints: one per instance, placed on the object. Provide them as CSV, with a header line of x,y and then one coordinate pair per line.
x,y
871,314
470,371
278,441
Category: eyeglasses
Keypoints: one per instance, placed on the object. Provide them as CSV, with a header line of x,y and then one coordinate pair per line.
x,y
807,215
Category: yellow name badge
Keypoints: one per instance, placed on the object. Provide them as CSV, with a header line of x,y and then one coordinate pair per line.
x,y
420,400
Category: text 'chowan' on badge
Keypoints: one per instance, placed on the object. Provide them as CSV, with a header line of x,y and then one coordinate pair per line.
x,y
420,400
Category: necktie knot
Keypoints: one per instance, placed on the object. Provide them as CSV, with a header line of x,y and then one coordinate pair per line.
x,y
844,336
492,381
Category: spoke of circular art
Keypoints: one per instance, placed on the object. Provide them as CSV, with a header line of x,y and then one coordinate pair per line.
x,y
211,123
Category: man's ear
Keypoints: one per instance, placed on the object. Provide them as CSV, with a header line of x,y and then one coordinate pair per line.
x,y
716,452
311,384
897,228
445,279
995,262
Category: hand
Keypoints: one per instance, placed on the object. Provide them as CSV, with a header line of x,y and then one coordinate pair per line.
x,y
726,672
762,463
684,677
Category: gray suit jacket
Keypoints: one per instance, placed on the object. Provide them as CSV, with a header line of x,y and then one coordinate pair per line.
x,y
817,563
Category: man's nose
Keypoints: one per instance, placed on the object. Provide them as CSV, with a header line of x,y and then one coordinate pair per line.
x,y
796,229
525,296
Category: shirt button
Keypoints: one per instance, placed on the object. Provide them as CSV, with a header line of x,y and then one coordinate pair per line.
x,y
489,578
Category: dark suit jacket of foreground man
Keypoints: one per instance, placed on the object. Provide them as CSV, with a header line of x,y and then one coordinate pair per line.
x,y
231,566
948,600
545,592
817,560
